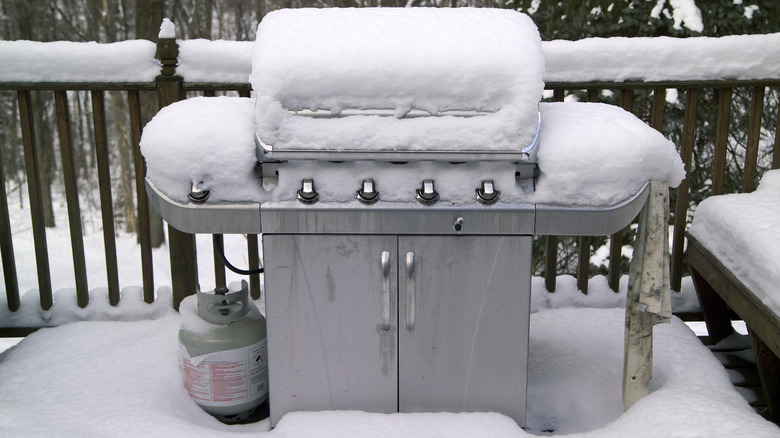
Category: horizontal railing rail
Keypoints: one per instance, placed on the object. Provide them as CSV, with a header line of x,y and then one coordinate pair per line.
x,y
646,99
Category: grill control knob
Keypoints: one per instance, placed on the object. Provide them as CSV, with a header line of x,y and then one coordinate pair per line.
x,y
307,194
427,194
487,194
368,194
198,194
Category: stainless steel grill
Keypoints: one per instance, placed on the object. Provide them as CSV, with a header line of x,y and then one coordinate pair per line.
x,y
414,301
389,306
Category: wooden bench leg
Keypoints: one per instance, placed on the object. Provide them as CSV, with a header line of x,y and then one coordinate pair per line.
x,y
769,372
714,309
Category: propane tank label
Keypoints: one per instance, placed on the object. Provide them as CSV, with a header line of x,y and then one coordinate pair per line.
x,y
227,378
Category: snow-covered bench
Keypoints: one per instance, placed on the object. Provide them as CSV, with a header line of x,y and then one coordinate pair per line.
x,y
733,253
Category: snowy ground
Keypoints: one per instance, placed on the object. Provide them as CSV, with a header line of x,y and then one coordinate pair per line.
x,y
122,378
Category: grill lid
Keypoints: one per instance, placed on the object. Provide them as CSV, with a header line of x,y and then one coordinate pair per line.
x,y
397,84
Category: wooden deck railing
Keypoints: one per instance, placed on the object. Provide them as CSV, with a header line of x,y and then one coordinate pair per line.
x,y
656,102
647,100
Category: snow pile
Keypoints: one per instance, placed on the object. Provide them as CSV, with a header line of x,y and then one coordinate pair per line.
x,y
65,61
683,11
741,231
600,295
206,141
485,61
362,424
65,309
663,59
223,61
167,29
125,380
598,154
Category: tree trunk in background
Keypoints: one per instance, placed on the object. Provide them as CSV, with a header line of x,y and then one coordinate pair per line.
x,y
201,19
260,10
82,137
42,105
148,17
34,22
107,13
125,150
11,144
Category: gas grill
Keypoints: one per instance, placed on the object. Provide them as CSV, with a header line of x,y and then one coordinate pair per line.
x,y
398,272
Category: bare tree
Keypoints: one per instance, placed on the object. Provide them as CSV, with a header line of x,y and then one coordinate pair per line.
x,y
34,21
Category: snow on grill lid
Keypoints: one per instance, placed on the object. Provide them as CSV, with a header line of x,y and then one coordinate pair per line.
x,y
485,62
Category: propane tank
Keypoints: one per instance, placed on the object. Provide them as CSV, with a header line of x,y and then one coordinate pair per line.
x,y
224,353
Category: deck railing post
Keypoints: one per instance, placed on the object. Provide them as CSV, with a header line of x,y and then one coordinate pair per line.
x,y
184,261
776,150
721,140
106,201
754,134
7,247
72,196
144,230
36,204
683,190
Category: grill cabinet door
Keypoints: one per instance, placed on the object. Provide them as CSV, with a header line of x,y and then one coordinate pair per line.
x,y
332,337
467,346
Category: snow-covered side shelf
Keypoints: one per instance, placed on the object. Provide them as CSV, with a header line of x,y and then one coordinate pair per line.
x,y
741,231
663,59
594,154
207,141
423,67
66,61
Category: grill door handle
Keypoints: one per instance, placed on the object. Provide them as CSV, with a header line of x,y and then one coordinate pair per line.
x,y
410,292
385,290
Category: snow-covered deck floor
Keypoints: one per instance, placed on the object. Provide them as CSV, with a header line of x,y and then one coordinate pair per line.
x,y
122,379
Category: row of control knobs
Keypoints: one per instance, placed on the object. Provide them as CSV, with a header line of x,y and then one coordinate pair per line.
x,y
426,194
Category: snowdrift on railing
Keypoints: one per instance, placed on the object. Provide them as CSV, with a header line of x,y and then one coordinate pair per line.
x,y
66,61
740,57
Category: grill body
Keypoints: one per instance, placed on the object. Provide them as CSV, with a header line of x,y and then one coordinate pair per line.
x,y
394,206
391,309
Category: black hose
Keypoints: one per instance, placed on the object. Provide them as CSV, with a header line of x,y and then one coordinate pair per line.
x,y
221,252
